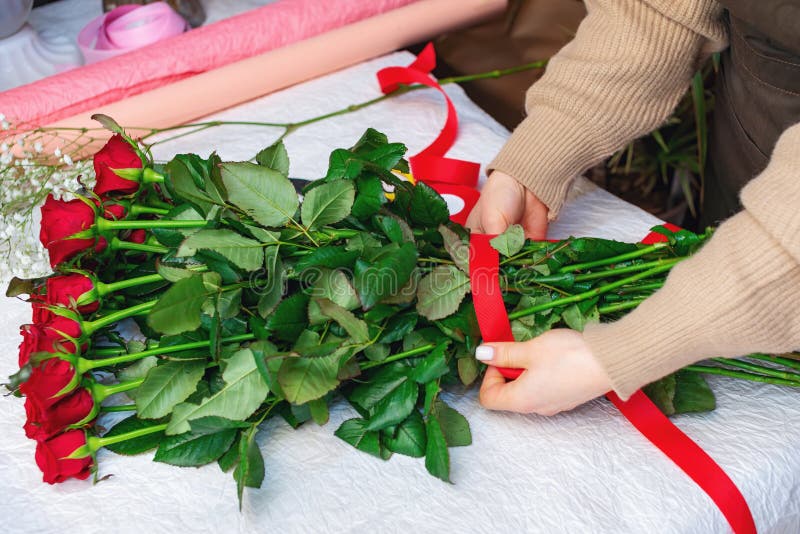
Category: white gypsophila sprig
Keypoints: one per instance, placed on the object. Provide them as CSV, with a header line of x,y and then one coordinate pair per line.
x,y
28,173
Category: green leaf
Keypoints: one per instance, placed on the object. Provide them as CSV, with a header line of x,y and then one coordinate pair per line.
x,y
456,247
245,253
319,410
334,286
173,274
455,426
343,164
305,379
370,196
356,328
133,446
332,257
432,366
290,317
437,457
192,450
272,291
250,470
178,309
422,205
275,157
468,370
354,432
409,438
327,204
385,274
395,406
577,319
440,293
368,393
108,123
692,393
184,182
214,424
167,385
242,393
266,195
509,242
228,460
390,227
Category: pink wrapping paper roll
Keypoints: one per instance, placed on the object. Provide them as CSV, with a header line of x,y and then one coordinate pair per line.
x,y
245,80
206,48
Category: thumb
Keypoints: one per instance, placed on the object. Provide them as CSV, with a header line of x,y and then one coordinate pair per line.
x,y
494,221
517,355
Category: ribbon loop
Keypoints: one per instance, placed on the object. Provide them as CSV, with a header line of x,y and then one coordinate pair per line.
x,y
445,175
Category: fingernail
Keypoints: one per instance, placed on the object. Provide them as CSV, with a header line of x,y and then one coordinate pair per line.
x,y
484,353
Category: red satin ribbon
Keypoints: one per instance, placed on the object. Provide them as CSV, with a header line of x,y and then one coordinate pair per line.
x,y
448,176
639,410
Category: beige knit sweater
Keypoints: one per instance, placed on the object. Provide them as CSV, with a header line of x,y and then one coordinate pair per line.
x,y
626,69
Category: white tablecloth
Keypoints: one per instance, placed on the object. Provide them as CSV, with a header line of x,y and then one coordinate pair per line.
x,y
584,471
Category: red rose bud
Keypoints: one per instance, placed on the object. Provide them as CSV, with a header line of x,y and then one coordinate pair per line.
x,y
71,289
138,236
117,155
49,336
50,382
41,313
114,211
52,457
62,220
76,408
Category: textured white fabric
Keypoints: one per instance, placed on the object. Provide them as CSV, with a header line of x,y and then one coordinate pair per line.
x,y
585,471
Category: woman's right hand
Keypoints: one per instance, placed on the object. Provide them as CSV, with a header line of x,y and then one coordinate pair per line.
x,y
503,202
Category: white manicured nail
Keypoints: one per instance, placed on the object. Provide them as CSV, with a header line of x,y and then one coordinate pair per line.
x,y
484,353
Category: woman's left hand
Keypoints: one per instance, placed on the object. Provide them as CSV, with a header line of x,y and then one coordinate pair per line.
x,y
560,374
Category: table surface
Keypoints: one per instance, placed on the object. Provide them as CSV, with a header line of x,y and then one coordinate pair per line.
x,y
583,471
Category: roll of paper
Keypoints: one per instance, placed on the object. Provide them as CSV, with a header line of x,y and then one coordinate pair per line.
x,y
238,82
210,47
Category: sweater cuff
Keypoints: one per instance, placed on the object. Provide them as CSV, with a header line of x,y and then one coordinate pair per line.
x,y
735,296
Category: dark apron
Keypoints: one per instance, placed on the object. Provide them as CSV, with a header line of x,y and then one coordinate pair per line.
x,y
757,97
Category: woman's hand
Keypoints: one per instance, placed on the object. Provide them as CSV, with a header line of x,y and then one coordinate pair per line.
x,y
503,202
560,374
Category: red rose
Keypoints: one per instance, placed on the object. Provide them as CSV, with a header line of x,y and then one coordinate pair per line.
x,y
60,220
51,457
138,236
44,424
49,383
65,290
48,337
117,154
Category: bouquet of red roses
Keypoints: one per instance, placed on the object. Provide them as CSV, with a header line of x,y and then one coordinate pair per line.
x,y
215,299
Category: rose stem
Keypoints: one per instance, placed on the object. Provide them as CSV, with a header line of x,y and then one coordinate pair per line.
x,y
118,408
118,244
710,370
786,362
105,289
100,392
757,368
616,259
106,225
94,443
126,358
399,356
588,294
